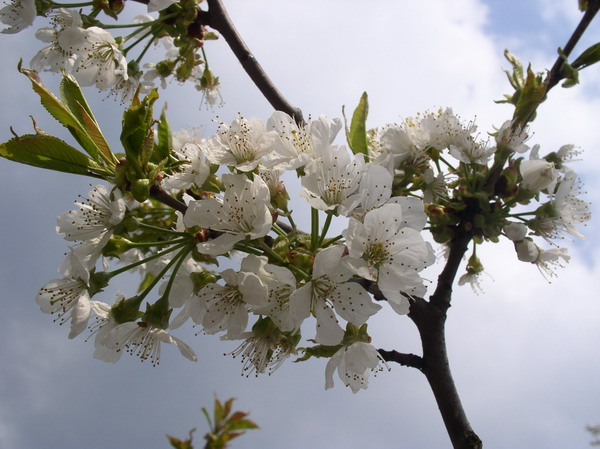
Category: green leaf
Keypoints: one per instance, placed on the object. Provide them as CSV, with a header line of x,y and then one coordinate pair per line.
x,y
79,107
95,134
61,112
165,139
73,97
590,56
357,137
48,152
533,93
137,124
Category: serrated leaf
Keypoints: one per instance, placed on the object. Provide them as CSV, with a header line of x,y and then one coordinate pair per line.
x,y
590,56
95,134
61,112
357,137
47,152
73,97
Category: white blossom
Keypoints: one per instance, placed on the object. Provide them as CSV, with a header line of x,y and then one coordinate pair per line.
x,y
68,299
332,179
54,57
547,260
140,339
242,145
99,60
227,306
242,213
329,290
388,248
354,363
514,140
570,210
263,351
193,172
97,216
17,15
538,174
295,146
280,283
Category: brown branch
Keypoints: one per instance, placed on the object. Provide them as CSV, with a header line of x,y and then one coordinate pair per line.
x,y
430,320
410,360
216,17
443,293
159,194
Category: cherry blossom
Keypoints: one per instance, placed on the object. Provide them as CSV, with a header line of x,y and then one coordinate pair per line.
x,y
354,363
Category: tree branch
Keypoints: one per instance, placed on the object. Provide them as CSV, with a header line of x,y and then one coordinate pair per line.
x,y
159,194
410,360
217,18
443,293
554,76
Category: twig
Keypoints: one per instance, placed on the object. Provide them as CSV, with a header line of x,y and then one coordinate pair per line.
x,y
554,75
159,194
443,293
410,360
218,19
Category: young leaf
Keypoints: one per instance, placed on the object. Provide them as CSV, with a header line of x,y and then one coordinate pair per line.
x,y
357,137
165,139
73,97
590,56
533,93
48,152
61,112
137,122
179,444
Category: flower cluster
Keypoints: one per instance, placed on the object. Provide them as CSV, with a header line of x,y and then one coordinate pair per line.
x,y
432,172
79,42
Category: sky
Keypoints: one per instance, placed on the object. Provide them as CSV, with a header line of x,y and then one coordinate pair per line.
x,y
524,354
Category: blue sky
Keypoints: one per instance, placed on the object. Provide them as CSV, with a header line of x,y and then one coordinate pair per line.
x,y
524,354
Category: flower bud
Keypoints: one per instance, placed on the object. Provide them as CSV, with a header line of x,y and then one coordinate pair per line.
x,y
140,189
537,174
515,231
527,251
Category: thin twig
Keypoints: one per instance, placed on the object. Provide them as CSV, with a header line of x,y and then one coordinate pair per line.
x,y
159,194
218,19
443,293
410,360
554,76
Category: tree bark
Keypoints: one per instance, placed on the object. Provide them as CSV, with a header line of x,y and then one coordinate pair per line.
x,y
430,322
